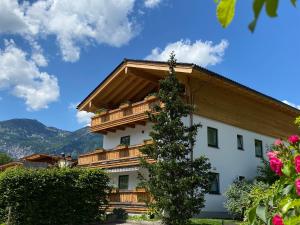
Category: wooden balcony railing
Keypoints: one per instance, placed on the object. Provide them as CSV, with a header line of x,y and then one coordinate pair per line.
x,y
129,197
121,156
126,115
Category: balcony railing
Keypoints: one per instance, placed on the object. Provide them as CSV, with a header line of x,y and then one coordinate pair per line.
x,y
126,115
121,156
129,197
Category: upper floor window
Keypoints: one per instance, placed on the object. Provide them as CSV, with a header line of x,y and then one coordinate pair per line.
x,y
212,137
125,140
258,148
240,142
123,182
215,185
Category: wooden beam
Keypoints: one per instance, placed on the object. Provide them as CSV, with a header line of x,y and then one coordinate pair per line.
x,y
131,125
142,75
143,123
119,91
137,90
133,88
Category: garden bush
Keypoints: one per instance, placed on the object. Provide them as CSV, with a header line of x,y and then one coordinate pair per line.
x,y
53,196
279,204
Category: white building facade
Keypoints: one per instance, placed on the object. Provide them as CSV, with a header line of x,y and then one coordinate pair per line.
x,y
239,125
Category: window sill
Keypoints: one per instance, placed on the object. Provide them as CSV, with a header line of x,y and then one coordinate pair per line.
x,y
213,146
241,149
214,193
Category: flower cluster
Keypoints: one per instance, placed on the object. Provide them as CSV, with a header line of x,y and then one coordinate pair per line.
x,y
285,162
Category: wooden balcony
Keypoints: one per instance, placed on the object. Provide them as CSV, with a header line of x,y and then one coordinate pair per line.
x,y
133,201
121,156
127,115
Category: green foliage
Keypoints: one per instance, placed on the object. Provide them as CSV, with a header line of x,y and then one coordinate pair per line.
x,y
120,214
52,196
297,121
237,198
265,174
226,10
282,199
4,158
176,182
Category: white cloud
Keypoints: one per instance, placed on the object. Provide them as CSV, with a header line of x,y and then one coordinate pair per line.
x,y
82,117
152,3
200,53
22,77
72,22
291,104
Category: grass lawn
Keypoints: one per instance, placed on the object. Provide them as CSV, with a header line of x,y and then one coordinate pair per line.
x,y
193,222
213,222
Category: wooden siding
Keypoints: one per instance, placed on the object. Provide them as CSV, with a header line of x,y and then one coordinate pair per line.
x,y
232,106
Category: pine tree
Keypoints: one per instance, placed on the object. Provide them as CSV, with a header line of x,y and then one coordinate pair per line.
x,y
176,182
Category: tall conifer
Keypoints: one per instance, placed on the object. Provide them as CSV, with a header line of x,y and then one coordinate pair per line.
x,y
176,181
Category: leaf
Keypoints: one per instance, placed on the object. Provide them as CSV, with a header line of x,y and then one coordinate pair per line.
x,y
252,215
257,7
287,189
271,7
225,11
294,2
261,212
286,170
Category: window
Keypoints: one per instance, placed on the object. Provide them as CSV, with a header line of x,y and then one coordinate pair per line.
x,y
212,137
123,182
215,186
240,142
258,148
125,140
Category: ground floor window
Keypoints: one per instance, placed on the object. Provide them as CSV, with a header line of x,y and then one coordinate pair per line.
x,y
215,186
123,182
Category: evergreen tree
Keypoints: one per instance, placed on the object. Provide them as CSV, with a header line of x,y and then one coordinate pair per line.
x,y
176,182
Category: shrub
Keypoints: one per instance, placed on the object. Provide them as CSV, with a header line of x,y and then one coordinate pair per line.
x,y
279,204
53,196
265,173
237,198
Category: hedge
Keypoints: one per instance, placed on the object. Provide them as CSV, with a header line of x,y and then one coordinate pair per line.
x,y
52,196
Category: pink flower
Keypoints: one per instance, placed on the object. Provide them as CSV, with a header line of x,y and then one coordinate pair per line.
x,y
277,220
272,154
297,163
276,165
297,185
278,142
294,139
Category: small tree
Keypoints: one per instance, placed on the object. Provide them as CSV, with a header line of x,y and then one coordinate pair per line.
x,y
4,158
176,181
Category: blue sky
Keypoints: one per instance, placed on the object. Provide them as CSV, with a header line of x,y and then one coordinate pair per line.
x,y
52,55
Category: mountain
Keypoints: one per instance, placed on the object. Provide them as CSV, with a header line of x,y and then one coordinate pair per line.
x,y
21,137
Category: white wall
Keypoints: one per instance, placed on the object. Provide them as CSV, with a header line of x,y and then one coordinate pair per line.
x,y
137,136
227,160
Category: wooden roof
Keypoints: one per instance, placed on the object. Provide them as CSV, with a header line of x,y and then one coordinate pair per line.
x,y
134,79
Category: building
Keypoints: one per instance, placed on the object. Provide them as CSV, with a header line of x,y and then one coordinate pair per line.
x,y
238,126
38,160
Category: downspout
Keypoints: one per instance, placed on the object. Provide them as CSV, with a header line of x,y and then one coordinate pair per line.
x,y
191,118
